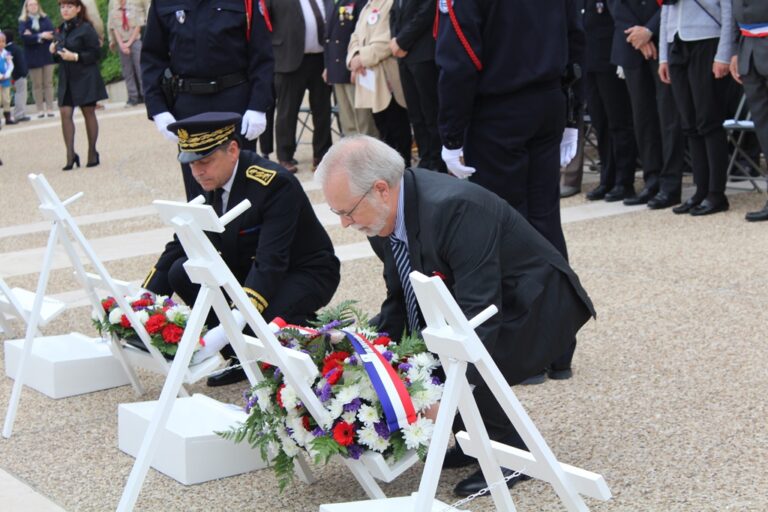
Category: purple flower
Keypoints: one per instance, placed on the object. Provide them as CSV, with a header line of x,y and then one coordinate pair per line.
x,y
277,373
168,303
436,381
354,451
318,432
404,367
324,393
388,355
353,406
382,429
353,360
250,401
328,327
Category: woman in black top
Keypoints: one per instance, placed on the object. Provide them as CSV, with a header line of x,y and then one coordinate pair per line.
x,y
76,47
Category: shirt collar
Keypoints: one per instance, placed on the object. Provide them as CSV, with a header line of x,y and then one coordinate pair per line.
x,y
400,232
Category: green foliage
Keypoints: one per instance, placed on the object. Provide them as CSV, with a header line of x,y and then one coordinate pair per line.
x,y
325,448
283,465
398,446
111,71
344,312
409,345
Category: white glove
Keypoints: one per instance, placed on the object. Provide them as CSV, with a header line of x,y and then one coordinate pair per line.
x,y
254,124
568,146
452,159
620,72
216,339
162,120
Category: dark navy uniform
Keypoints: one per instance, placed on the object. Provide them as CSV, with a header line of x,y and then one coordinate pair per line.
x,y
205,41
509,115
340,18
277,249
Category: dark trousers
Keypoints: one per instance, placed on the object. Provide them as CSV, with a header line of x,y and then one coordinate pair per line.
x,y
756,89
394,129
290,89
657,125
420,88
611,113
700,101
267,138
514,143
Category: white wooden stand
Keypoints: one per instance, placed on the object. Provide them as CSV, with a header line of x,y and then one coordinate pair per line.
x,y
188,450
452,337
18,303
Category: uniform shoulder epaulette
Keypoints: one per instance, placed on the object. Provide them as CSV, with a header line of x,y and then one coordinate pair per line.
x,y
260,174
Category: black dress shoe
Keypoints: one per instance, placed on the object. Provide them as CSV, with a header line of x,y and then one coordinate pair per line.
x,y
455,458
597,193
556,373
643,197
663,200
759,215
708,207
619,193
539,378
476,482
227,376
687,206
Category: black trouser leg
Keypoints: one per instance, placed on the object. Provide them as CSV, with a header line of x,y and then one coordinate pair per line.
x,y
642,94
618,111
420,88
320,105
290,89
599,118
672,139
756,89
395,129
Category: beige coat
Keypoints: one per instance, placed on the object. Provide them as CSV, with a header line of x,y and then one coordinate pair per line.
x,y
371,41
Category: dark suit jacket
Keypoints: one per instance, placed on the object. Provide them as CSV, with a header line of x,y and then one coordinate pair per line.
x,y
277,235
288,32
755,48
598,26
628,13
340,19
411,24
488,254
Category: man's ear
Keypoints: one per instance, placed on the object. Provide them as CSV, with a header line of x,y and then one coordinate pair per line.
x,y
382,187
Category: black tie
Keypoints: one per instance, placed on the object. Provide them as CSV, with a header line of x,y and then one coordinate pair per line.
x,y
403,262
218,203
318,20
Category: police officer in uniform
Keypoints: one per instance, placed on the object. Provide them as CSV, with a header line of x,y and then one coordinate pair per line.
x,y
277,249
207,56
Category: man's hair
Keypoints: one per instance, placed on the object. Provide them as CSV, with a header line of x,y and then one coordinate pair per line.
x,y
364,160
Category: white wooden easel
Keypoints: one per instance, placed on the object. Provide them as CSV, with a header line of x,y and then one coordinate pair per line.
x,y
452,337
19,303
206,268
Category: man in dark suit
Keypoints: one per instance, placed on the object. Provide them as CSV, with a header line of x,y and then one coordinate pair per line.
x,y
657,123
297,42
484,250
750,68
277,249
412,43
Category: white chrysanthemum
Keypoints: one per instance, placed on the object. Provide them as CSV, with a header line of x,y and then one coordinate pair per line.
x,y
264,400
367,436
335,408
367,392
349,416
427,396
160,299
368,415
423,360
417,433
289,397
115,315
348,393
142,316
299,432
289,445
97,316
177,313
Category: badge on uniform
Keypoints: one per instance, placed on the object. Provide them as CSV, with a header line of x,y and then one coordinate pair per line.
x,y
600,7
260,174
443,6
181,16
373,18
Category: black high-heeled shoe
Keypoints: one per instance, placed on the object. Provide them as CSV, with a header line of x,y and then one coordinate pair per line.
x,y
75,162
93,163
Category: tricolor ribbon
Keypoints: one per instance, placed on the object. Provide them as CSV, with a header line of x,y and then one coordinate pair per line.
x,y
754,30
278,324
394,398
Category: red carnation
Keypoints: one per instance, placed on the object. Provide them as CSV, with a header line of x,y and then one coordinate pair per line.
x,y
343,433
155,323
172,333
278,395
124,322
382,340
202,341
265,366
141,303
334,375
108,303
305,422
336,356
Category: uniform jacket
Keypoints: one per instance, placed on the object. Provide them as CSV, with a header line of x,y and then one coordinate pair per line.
x,y
288,32
411,24
598,26
340,19
371,41
751,48
35,48
626,14
692,20
487,253
278,234
20,68
521,45
82,78
206,39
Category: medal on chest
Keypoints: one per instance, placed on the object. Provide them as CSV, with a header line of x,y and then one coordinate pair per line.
x,y
600,7
373,17
181,17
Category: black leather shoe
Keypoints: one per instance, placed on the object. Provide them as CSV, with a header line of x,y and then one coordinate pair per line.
x,y
597,193
559,373
708,207
619,193
663,200
455,458
476,482
227,376
643,197
687,206
539,378
759,215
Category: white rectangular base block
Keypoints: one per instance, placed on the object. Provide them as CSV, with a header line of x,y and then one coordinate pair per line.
x,y
66,365
189,451
401,504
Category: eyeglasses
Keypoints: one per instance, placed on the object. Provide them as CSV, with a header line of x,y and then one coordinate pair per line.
x,y
351,212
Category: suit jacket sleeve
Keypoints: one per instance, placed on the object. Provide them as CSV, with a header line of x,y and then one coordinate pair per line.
x,y
417,24
392,317
261,63
654,23
155,57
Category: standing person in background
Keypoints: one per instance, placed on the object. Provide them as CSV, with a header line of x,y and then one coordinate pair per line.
x,y
749,66
77,50
20,72
126,18
413,44
6,71
695,49
36,31
340,19
207,56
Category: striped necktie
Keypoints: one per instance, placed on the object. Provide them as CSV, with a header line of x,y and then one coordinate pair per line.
x,y
403,262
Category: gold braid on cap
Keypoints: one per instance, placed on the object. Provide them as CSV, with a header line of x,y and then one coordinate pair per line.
x,y
198,142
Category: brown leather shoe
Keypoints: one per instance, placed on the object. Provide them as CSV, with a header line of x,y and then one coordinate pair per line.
x,y
289,166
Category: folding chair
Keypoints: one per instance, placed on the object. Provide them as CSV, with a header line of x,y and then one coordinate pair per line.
x,y
742,166
305,114
590,144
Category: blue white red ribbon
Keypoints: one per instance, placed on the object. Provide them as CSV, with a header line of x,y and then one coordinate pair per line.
x,y
754,30
395,400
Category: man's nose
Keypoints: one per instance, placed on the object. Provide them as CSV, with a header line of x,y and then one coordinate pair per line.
x,y
346,221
